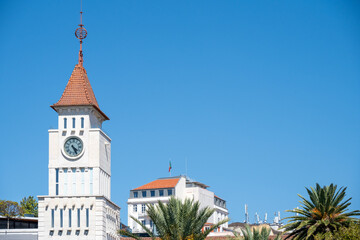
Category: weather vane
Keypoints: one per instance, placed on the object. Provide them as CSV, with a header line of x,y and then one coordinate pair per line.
x,y
81,34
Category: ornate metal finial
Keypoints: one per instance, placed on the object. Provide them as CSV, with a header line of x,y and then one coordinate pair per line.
x,y
81,34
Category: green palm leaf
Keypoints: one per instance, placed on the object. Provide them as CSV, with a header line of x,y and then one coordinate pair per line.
x,y
321,215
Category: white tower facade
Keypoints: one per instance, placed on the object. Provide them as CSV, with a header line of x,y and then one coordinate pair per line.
x,y
78,205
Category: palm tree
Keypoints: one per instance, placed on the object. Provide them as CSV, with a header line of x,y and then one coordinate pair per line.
x,y
177,220
322,215
255,234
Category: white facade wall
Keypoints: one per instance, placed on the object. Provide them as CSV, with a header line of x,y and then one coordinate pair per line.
x,y
204,196
180,189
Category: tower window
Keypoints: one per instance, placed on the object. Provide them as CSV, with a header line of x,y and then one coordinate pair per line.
x,y
143,193
73,122
65,181
91,181
161,193
65,123
135,194
78,217
61,218
73,170
87,217
82,122
52,218
152,193
69,217
82,180
57,181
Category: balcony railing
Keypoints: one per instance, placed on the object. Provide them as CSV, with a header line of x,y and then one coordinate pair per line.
x,y
142,214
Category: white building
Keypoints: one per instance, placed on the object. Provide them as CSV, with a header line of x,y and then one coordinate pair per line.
x,y
180,187
78,205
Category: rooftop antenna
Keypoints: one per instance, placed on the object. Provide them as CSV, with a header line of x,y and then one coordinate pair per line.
x,y
81,33
265,220
246,214
186,165
279,216
276,220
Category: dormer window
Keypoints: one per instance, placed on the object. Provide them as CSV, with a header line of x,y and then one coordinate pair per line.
x,y
82,122
73,122
65,123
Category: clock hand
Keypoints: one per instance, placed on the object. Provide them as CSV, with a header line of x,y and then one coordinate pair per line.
x,y
74,148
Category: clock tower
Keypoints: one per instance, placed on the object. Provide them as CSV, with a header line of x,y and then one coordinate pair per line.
x,y
78,205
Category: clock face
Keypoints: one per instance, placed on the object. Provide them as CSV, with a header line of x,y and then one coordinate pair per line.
x,y
73,146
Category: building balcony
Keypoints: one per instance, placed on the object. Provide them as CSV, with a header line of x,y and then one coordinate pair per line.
x,y
142,214
138,230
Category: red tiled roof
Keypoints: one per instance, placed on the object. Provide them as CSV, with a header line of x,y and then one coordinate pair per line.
x,y
159,183
78,92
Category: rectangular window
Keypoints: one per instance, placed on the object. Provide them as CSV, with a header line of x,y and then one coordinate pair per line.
x,y
73,122
91,181
65,181
87,217
65,123
57,181
78,217
135,208
169,192
61,218
143,222
135,194
73,181
143,193
161,193
69,217
52,217
82,122
143,208
82,180
151,223
152,193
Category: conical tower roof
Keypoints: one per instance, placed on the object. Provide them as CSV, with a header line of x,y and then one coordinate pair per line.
x,y
78,91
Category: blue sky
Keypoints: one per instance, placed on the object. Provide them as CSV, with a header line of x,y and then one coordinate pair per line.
x,y
261,97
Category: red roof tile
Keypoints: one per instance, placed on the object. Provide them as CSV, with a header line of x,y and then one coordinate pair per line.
x,y
160,183
78,91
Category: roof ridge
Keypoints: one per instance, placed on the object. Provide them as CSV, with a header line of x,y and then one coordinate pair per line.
x,y
85,85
